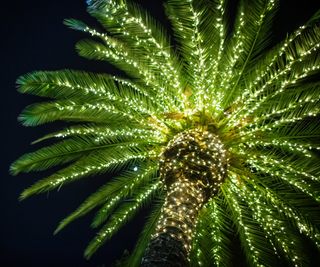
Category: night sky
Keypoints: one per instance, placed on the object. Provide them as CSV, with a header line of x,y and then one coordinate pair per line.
x,y
34,38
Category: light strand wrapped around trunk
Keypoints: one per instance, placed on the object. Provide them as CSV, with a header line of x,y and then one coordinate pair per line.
x,y
193,167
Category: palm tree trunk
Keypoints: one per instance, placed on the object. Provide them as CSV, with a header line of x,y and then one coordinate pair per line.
x,y
171,244
193,167
165,251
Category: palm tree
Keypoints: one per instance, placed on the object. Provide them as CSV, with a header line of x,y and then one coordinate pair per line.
x,y
217,131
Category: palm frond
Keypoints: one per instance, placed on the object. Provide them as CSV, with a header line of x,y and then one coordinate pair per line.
x,y
139,31
276,227
78,85
191,21
75,148
104,132
253,30
270,166
297,216
215,223
200,253
277,66
120,217
256,246
128,189
73,110
113,191
110,160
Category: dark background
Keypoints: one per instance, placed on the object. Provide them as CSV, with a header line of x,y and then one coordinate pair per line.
x,y
34,38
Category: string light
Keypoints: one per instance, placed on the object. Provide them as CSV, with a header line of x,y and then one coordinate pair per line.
x,y
193,167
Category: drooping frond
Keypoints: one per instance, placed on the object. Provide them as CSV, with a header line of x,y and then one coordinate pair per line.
x,y
213,238
200,253
112,192
257,247
147,176
109,160
275,226
286,209
121,216
72,149
300,180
